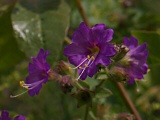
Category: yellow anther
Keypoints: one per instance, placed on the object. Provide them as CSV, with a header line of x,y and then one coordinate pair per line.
x,y
80,67
148,70
92,57
21,83
86,65
88,57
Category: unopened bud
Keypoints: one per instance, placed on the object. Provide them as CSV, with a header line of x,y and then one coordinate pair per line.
x,y
64,68
84,96
66,84
119,74
53,75
121,52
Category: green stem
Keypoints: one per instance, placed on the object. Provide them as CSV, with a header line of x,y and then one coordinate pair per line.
x,y
77,84
86,112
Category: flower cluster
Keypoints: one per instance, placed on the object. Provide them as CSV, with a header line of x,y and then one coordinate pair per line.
x,y
90,49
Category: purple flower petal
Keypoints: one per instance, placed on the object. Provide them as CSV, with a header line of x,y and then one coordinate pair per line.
x,y
35,82
132,43
81,35
5,115
99,34
92,70
74,49
101,59
77,59
20,117
131,80
107,49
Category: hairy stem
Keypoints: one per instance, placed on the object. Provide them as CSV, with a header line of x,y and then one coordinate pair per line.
x,y
82,13
128,100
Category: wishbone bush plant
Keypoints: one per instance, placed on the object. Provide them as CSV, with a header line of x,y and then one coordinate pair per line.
x,y
92,54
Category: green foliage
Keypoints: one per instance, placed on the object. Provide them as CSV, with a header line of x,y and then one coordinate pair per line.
x,y
34,24
9,50
41,24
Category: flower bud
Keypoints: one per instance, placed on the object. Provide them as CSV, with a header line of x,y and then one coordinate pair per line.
x,y
121,52
66,84
53,75
118,74
84,96
64,68
125,116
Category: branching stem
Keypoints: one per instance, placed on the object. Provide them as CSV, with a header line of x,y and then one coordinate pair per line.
x,y
79,5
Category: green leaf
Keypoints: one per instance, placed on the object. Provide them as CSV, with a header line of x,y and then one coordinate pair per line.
x,y
10,54
153,41
41,24
103,93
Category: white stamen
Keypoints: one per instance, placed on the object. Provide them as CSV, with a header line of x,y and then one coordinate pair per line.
x,y
86,65
80,64
11,96
92,61
80,74
28,88
138,90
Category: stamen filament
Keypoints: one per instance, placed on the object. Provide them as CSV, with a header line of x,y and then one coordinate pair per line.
x,y
80,74
27,86
138,90
11,96
80,63
86,65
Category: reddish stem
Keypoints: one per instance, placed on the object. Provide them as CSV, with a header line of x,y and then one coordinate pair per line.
x,y
128,100
82,13
120,87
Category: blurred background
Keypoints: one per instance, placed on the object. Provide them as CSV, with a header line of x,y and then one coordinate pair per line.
x,y
27,25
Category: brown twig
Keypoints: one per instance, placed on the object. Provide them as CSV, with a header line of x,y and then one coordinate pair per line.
x,y
128,100
82,13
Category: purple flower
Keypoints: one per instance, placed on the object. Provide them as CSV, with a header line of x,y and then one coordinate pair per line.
x,y
90,48
136,58
5,116
38,73
20,117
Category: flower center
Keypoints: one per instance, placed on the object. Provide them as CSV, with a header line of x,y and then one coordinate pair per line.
x,y
95,49
88,61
